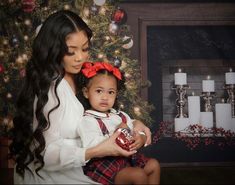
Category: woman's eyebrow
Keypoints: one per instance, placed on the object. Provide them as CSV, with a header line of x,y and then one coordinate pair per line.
x,y
71,46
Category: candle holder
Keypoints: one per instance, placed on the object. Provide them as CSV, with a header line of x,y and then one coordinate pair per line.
x,y
181,100
231,99
207,97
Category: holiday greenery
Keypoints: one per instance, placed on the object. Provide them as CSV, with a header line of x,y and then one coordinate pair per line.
x,y
20,20
195,136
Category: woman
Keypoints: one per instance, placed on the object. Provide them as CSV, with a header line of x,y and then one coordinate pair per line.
x,y
46,146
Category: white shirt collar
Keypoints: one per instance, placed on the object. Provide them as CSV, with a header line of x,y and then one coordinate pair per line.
x,y
100,114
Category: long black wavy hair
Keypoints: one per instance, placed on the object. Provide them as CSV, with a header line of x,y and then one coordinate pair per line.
x,y
45,66
82,81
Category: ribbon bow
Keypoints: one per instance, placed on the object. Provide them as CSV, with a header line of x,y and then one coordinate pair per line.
x,y
90,69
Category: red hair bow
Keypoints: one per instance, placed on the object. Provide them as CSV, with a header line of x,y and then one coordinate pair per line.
x,y
90,69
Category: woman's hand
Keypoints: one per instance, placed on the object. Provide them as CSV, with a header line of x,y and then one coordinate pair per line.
x,y
140,127
139,139
108,148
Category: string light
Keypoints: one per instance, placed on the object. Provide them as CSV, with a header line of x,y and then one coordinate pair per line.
x,y
19,60
9,95
6,79
27,22
25,56
107,38
137,111
86,12
102,10
5,42
121,106
127,75
117,52
124,64
1,53
66,7
100,55
26,37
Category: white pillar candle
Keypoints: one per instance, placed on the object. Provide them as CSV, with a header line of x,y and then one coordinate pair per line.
x,y
194,109
206,119
180,78
208,86
233,124
230,78
181,124
223,112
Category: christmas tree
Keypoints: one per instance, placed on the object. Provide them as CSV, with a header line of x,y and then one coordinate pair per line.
x,y
20,20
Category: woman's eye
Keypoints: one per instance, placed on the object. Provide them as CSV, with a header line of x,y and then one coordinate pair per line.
x,y
70,53
85,49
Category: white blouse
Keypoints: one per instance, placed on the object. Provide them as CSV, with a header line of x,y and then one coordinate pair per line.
x,y
90,131
63,155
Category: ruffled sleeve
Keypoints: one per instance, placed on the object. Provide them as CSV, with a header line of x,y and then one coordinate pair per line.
x,y
63,145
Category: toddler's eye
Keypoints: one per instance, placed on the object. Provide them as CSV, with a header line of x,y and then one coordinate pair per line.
x,y
111,92
99,91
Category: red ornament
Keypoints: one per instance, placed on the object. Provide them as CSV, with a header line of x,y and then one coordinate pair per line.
x,y
1,68
119,16
28,5
125,139
22,73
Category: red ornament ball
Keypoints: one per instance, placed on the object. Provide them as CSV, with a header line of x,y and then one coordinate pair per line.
x,y
1,68
125,139
28,5
119,16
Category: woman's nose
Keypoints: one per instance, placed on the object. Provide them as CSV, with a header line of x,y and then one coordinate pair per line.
x,y
79,57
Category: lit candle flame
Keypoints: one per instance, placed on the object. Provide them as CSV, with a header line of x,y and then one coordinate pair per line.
x,y
222,100
230,70
208,77
179,70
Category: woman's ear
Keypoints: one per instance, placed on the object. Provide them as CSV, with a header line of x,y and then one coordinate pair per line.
x,y
85,92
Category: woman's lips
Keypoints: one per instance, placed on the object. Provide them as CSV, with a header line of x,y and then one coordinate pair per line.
x,y
77,67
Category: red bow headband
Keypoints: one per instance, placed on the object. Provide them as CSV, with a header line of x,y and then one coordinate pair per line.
x,y
90,69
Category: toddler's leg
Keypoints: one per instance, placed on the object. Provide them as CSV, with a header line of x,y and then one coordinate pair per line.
x,y
131,175
152,169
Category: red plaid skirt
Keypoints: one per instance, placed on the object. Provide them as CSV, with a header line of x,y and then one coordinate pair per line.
x,y
104,170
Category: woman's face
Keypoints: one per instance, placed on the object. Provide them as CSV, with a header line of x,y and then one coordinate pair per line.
x,y
101,92
78,46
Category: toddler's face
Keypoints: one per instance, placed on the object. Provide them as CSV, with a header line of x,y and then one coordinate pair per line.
x,y
101,92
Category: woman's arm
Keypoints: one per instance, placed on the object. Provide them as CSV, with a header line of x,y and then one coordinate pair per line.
x,y
140,127
107,148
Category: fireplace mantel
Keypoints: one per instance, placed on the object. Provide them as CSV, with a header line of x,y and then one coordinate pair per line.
x,y
141,16
154,12
171,13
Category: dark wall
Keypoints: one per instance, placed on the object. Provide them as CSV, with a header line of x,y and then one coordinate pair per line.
x,y
198,50
158,28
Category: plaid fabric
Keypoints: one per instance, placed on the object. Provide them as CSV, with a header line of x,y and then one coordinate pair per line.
x,y
123,117
102,126
139,160
104,170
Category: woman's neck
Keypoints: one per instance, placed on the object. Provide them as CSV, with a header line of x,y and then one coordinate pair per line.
x,y
70,79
